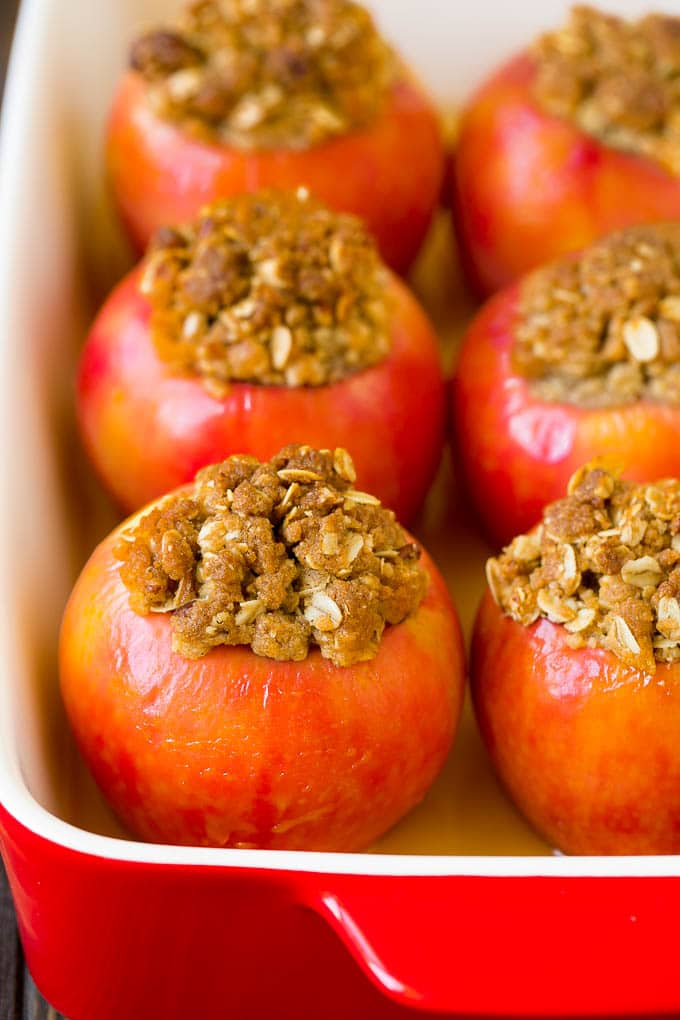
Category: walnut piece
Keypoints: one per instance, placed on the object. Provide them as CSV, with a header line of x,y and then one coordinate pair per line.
x,y
605,563
279,556
617,80
271,288
602,328
265,74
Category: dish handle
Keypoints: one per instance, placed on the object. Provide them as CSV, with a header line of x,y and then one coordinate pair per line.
x,y
501,945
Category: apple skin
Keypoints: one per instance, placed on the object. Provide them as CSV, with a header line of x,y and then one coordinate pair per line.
x,y
148,429
390,173
587,747
528,187
238,750
517,453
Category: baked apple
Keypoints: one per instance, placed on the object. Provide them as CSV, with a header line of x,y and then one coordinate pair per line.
x,y
577,137
265,321
275,93
263,659
580,358
576,667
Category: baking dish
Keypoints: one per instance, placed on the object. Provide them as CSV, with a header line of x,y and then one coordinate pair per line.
x,y
461,909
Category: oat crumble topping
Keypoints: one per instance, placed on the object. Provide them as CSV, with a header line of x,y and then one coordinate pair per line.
x,y
271,288
279,556
603,328
268,73
617,80
604,563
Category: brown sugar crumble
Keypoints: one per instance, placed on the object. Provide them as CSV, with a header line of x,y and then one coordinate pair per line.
x,y
617,80
603,328
279,556
267,73
605,564
271,288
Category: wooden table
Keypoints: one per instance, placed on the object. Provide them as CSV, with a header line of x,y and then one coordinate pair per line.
x,y
19,999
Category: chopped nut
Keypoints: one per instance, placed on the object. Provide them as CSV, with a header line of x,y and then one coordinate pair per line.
x,y
281,346
329,544
618,339
570,578
299,475
668,617
618,585
556,609
616,80
583,619
216,314
527,547
289,498
633,531
184,85
641,338
193,325
623,637
247,114
365,498
231,571
268,73
666,650
248,611
344,466
330,611
496,581
643,572
354,545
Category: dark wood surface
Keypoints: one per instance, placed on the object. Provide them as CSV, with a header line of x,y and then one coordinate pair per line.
x,y
19,999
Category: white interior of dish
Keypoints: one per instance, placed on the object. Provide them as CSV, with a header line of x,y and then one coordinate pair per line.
x,y
60,252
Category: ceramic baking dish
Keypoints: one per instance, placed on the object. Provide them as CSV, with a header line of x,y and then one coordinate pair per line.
x,y
460,909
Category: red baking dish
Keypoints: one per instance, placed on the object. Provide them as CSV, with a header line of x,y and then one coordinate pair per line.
x,y
460,909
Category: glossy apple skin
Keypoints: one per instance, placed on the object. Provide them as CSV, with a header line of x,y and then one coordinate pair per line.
x,y
587,747
235,749
148,429
518,453
528,187
389,174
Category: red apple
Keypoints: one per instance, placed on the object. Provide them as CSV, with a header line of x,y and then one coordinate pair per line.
x,y
389,173
518,452
587,746
528,186
149,428
237,750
